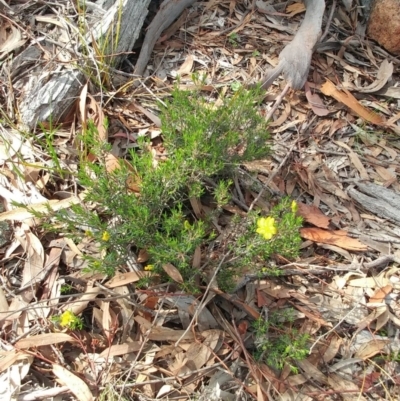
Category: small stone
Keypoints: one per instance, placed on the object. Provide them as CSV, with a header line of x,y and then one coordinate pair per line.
x,y
6,230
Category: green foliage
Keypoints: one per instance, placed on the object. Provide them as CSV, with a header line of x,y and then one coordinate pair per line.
x,y
66,289
111,393
48,139
208,139
278,343
203,143
250,248
233,39
222,192
235,86
288,240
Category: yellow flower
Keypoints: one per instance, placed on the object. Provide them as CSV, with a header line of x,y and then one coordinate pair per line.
x,y
88,233
149,267
266,227
67,318
105,236
294,206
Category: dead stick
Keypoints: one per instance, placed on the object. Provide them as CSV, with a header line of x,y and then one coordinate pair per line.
x,y
277,102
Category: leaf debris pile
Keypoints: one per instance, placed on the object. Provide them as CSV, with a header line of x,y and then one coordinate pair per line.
x,y
335,150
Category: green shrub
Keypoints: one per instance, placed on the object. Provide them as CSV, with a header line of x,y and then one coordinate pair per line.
x,y
278,343
202,142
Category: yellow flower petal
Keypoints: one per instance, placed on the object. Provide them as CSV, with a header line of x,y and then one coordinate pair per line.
x,y
294,206
66,318
105,236
266,227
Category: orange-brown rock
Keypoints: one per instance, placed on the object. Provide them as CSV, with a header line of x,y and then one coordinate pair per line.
x,y
384,24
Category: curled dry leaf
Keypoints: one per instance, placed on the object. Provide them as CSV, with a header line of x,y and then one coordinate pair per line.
x,y
82,107
95,113
143,256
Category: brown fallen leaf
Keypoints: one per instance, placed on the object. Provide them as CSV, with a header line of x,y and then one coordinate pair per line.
x,y
77,386
371,348
151,116
348,390
132,180
380,294
315,102
90,110
385,72
355,160
8,358
344,96
312,215
295,8
121,279
23,213
143,256
40,340
173,272
187,66
338,237
122,349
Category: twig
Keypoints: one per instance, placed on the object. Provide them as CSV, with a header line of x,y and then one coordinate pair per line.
x,y
278,102
167,379
43,394
200,307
